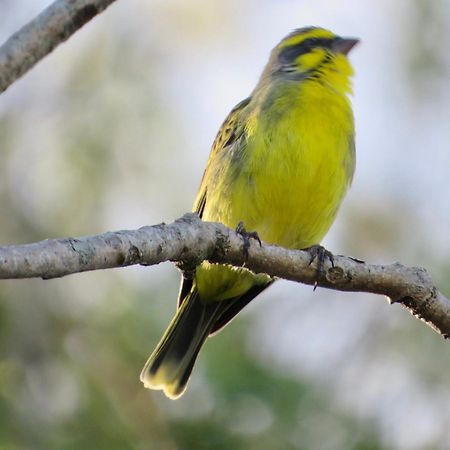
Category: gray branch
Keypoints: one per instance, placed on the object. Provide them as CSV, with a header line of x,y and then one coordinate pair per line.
x,y
40,36
188,241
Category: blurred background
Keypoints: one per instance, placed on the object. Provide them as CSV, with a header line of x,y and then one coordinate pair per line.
x,y
112,131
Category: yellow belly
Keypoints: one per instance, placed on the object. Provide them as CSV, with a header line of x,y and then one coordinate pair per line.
x,y
295,173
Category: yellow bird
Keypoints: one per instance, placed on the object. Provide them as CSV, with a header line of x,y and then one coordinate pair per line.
x,y
281,162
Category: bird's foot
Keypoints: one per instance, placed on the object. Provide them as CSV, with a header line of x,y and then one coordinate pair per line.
x,y
319,253
246,236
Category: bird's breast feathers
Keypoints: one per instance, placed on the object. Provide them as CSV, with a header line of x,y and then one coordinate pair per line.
x,y
287,179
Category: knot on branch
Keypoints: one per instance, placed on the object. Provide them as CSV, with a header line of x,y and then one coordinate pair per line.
x,y
222,245
337,274
133,256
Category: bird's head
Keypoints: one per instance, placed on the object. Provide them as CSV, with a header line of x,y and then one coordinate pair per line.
x,y
312,53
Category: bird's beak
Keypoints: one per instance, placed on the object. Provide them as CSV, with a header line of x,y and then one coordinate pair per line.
x,y
343,45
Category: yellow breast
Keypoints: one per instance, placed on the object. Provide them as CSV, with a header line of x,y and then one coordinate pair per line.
x,y
287,185
299,165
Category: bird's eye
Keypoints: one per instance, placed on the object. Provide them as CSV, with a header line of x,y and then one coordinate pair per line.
x,y
317,42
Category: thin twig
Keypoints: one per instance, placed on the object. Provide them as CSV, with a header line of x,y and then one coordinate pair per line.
x,y
40,36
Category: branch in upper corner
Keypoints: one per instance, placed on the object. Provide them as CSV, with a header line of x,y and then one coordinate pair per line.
x,y
40,36
189,241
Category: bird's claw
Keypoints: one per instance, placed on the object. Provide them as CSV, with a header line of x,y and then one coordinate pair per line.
x,y
246,236
319,253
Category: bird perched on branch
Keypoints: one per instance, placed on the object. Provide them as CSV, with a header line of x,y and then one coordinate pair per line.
x,y
281,163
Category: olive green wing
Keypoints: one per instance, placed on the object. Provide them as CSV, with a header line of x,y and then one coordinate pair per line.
x,y
230,131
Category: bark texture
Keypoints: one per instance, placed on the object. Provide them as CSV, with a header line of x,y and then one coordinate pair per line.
x,y
45,32
188,241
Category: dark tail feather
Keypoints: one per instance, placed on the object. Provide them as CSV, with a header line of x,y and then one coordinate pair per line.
x,y
170,365
235,306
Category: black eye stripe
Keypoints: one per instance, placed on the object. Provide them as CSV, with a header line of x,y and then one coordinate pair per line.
x,y
318,42
289,54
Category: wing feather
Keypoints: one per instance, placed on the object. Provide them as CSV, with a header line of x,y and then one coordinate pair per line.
x,y
231,130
